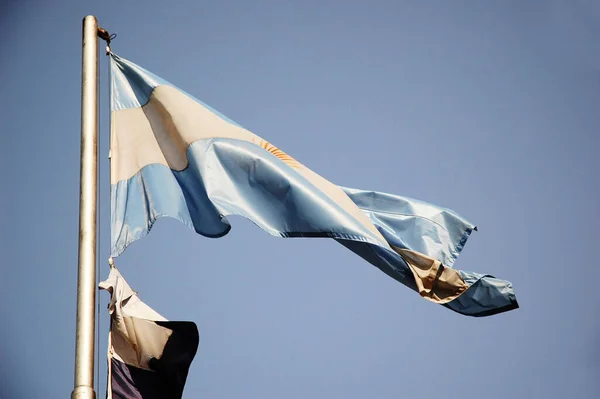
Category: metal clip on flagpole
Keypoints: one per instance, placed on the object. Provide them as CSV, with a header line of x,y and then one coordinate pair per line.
x,y
86,272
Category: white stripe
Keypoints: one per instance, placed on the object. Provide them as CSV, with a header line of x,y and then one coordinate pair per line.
x,y
161,131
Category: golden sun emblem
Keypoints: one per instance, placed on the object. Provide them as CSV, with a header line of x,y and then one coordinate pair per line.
x,y
279,154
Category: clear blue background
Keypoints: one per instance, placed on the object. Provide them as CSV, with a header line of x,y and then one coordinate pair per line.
x,y
488,108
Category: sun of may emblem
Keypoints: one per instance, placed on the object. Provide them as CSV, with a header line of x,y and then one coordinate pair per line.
x,y
279,154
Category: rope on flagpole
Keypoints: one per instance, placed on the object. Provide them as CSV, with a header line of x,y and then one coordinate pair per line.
x,y
104,35
107,37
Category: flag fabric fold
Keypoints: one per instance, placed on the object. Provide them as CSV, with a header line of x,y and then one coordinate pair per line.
x,y
148,356
172,155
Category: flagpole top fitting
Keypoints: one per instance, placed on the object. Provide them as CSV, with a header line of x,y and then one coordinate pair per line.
x,y
107,37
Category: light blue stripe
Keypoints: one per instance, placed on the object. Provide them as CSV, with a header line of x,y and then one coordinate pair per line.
x,y
486,296
229,177
132,86
138,202
416,225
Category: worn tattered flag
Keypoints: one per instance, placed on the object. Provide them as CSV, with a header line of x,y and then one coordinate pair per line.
x,y
173,155
148,356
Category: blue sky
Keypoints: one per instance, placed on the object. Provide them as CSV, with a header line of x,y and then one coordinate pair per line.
x,y
488,108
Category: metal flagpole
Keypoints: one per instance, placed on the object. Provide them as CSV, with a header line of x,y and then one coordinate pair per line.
x,y
86,272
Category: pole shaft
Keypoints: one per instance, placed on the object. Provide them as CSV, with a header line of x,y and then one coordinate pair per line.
x,y
86,275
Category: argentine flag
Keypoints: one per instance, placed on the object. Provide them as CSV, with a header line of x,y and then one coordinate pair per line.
x,y
172,155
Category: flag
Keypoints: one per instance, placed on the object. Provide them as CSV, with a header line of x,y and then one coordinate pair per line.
x,y
148,356
172,155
